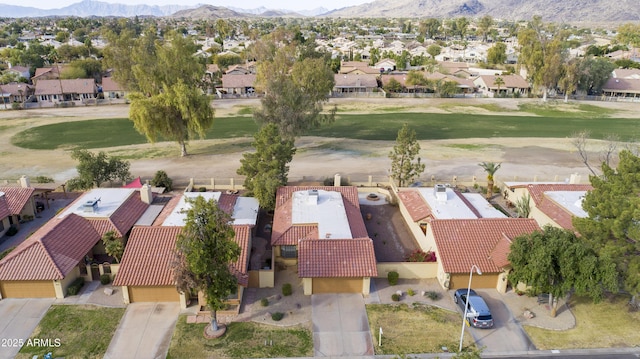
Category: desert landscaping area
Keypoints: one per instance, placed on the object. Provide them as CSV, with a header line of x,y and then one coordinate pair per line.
x,y
523,159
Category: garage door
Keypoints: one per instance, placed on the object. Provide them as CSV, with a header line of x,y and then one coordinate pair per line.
x,y
27,289
337,285
153,294
484,281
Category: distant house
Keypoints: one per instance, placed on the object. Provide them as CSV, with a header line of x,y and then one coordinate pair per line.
x,y
111,89
352,83
20,71
243,84
54,91
357,68
17,92
321,230
484,242
513,84
385,65
47,73
623,83
68,246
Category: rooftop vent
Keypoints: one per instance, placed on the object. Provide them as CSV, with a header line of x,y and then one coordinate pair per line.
x,y
313,197
91,206
440,192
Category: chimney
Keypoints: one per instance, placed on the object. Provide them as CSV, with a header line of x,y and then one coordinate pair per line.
x,y
145,194
25,182
312,198
336,180
440,192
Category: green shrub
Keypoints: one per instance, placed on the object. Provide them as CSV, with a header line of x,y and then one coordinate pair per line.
x,y
42,179
264,302
411,292
11,231
395,297
287,289
75,287
161,179
277,316
433,295
105,279
202,189
392,277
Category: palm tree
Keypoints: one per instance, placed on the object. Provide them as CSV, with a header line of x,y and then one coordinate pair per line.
x,y
491,168
498,81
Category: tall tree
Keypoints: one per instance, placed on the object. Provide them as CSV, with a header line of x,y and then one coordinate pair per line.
x,y
415,79
95,169
555,261
490,168
295,90
570,76
206,249
498,81
462,24
267,168
429,28
484,25
167,101
613,225
434,50
497,54
406,164
594,73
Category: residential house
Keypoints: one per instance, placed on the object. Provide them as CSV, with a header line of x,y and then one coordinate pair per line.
x,y
5,214
54,91
111,89
420,206
321,230
146,274
352,83
47,73
357,68
554,204
17,92
243,85
20,71
623,83
69,245
513,84
484,242
238,70
385,65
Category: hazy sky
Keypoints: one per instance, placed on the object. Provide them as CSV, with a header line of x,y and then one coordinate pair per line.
x,y
245,4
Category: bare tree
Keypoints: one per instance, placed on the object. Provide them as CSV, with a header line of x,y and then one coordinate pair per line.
x,y
579,141
607,153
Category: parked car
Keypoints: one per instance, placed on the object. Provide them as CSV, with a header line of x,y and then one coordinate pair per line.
x,y
478,312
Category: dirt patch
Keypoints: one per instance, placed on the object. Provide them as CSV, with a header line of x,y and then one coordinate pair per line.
x,y
392,240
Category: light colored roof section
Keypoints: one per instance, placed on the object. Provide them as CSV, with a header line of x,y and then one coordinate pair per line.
x,y
525,184
464,242
483,207
569,200
341,258
453,208
109,200
17,197
415,204
355,81
238,81
52,251
324,208
109,85
178,215
150,215
245,211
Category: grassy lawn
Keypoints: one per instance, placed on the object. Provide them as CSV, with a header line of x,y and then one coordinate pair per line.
x,y
415,329
83,331
608,324
428,126
242,340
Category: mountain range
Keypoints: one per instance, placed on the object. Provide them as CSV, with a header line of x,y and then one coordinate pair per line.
x,y
571,11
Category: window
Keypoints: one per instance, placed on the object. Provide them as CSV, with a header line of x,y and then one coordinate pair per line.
x,y
289,251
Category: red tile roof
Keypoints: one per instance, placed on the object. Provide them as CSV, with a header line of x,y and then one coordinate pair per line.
x,y
166,211
52,251
149,252
4,207
464,242
553,210
17,197
110,85
416,205
227,202
342,258
238,81
285,233
500,253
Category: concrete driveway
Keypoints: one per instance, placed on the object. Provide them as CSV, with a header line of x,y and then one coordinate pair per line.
x,y
19,318
340,325
506,335
144,332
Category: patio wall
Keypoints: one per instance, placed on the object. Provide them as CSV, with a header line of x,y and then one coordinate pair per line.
x,y
408,270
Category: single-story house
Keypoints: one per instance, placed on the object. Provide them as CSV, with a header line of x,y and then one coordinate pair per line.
x,y
420,206
385,65
146,270
65,90
484,242
552,203
69,245
15,92
623,83
47,73
357,68
111,89
321,230
239,84
512,84
351,83
21,71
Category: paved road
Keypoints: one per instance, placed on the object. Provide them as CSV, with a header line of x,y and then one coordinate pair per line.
x,y
506,335
144,332
18,319
340,326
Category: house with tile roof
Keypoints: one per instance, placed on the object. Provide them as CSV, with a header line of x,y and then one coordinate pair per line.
x,y
354,83
321,230
111,89
68,246
16,92
420,206
554,204
623,83
485,242
238,84
54,91
512,84
145,272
